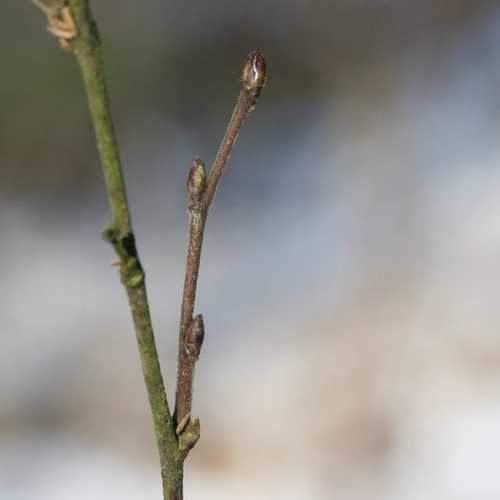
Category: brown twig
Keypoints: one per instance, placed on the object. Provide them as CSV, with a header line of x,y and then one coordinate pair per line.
x,y
196,186
201,191
253,79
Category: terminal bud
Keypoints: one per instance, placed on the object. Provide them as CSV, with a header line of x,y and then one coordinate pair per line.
x,y
254,73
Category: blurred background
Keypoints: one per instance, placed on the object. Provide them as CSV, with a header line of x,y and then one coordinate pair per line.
x,y
350,275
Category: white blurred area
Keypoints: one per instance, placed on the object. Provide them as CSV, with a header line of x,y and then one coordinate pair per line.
x,y
350,299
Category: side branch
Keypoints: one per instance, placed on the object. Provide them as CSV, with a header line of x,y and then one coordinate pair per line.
x,y
201,191
196,186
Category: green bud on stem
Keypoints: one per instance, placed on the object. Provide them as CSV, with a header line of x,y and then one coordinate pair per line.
x,y
196,183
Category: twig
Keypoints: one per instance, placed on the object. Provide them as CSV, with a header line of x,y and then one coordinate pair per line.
x,y
87,49
253,79
72,22
201,192
196,186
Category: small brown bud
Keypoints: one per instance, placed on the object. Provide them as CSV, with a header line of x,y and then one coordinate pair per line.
x,y
196,183
193,339
254,73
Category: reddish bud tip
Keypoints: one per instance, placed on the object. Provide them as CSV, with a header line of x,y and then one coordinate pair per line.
x,y
254,73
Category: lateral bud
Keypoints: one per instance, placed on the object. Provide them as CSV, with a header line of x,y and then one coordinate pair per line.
x,y
193,339
253,76
196,183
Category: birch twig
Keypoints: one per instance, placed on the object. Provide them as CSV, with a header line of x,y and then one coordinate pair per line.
x,y
201,191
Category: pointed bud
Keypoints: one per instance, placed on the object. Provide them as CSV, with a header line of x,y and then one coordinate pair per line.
x,y
193,339
196,183
254,73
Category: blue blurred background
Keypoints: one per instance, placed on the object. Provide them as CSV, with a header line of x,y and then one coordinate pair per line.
x,y
350,273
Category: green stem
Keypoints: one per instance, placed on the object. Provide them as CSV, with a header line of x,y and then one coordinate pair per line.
x,y
87,49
